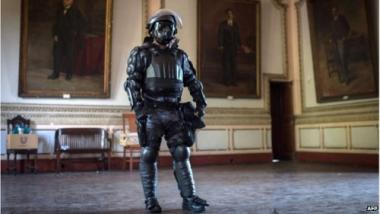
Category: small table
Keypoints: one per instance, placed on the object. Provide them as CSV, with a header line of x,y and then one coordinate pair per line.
x,y
22,144
131,149
131,146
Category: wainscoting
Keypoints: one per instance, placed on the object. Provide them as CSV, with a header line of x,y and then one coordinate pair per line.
x,y
215,145
210,140
346,134
233,135
350,137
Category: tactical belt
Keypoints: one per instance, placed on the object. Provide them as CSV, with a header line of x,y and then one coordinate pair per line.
x,y
161,99
157,104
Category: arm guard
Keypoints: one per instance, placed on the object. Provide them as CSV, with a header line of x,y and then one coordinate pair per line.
x,y
133,84
195,86
196,91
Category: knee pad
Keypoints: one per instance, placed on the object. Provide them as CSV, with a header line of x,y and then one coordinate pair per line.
x,y
181,153
148,154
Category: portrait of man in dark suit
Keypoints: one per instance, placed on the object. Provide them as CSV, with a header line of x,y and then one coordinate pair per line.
x,y
339,35
229,42
342,50
65,48
67,36
229,37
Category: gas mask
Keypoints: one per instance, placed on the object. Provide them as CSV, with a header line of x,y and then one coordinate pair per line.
x,y
163,31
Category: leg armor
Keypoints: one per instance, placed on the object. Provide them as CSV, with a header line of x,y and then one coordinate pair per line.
x,y
148,172
182,170
148,162
184,177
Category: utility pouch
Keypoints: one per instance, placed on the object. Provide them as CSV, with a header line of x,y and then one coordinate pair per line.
x,y
141,130
189,134
188,112
191,122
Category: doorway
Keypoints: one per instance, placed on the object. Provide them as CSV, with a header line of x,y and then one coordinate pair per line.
x,y
281,108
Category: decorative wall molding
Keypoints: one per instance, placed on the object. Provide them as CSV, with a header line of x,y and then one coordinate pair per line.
x,y
368,111
49,165
237,116
233,139
41,114
368,160
46,114
344,137
315,119
211,140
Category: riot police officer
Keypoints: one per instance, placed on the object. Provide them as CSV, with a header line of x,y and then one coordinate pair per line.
x,y
157,73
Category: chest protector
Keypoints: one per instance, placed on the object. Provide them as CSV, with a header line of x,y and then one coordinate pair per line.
x,y
164,78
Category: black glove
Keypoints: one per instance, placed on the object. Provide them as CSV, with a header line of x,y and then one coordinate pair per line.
x,y
141,130
141,123
199,112
139,110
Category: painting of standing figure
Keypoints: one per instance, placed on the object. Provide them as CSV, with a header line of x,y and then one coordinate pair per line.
x,y
65,48
228,47
345,62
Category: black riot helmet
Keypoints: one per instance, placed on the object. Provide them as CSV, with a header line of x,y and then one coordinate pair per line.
x,y
163,24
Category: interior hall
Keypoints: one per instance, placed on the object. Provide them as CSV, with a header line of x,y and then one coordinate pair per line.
x,y
291,124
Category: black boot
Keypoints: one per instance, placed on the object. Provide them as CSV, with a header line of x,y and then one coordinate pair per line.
x,y
148,173
184,176
69,76
53,76
194,204
152,205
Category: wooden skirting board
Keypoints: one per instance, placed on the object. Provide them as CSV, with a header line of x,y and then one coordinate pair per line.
x,y
371,160
48,165
368,160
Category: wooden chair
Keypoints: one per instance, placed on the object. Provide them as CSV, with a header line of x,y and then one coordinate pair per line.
x,y
25,123
129,140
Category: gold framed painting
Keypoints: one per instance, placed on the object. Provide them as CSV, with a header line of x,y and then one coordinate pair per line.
x,y
229,47
344,49
65,48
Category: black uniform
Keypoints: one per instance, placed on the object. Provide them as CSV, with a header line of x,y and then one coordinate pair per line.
x,y
156,78
157,73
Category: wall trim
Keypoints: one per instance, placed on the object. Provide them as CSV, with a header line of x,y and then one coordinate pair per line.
x,y
48,114
370,160
41,114
336,118
48,165
368,111
345,144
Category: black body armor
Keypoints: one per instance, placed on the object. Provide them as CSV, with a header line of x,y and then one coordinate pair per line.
x,y
160,75
163,79
157,73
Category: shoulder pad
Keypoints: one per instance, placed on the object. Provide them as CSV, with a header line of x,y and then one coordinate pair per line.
x,y
139,50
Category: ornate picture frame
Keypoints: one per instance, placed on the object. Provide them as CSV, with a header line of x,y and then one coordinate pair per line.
x,y
229,48
344,50
65,49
